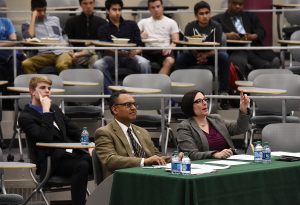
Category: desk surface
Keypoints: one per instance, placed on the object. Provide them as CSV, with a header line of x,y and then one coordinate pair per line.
x,y
66,145
30,43
238,41
244,83
261,90
182,84
279,5
16,165
80,83
26,89
197,44
85,41
73,8
111,44
9,43
289,42
136,8
3,82
275,183
134,89
63,8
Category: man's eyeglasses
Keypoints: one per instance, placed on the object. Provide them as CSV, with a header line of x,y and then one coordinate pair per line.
x,y
201,100
128,104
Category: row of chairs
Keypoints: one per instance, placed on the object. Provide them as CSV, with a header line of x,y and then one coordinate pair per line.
x,y
202,79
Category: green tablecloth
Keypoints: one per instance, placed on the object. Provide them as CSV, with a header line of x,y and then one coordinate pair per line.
x,y
276,183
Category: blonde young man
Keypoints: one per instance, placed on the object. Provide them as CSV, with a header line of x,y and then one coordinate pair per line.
x,y
43,121
164,30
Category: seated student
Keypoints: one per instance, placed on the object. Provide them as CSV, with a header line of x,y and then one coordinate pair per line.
x,y
238,24
121,144
44,26
43,121
213,32
7,33
162,28
120,28
84,26
208,136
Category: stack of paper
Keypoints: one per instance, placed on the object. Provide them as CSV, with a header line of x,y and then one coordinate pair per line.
x,y
244,157
227,162
280,153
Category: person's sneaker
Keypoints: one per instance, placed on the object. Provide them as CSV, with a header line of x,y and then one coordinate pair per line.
x,y
275,62
224,104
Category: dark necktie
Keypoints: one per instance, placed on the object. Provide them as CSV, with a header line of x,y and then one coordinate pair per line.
x,y
138,150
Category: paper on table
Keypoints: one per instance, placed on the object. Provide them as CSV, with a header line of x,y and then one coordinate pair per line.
x,y
245,157
208,166
280,153
202,171
227,162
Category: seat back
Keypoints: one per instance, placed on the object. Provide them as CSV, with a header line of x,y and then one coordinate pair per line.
x,y
31,150
253,74
296,37
63,17
203,80
97,168
23,81
156,81
282,136
292,17
7,199
288,82
83,75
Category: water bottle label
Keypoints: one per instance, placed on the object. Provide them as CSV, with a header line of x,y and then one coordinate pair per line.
x,y
176,167
186,167
258,156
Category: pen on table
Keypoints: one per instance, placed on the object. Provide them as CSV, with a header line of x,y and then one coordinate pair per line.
x,y
152,167
234,151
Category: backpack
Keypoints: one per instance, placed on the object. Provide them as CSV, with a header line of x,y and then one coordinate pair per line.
x,y
234,75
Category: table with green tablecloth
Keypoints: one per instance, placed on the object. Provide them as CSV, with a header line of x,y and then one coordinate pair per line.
x,y
275,183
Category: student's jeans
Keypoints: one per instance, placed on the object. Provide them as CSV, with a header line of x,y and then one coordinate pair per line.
x,y
106,64
185,60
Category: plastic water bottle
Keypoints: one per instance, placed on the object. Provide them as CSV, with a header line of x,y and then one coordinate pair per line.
x,y
84,139
186,165
175,164
267,153
258,153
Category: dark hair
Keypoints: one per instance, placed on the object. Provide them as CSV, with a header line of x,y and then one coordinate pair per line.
x,y
82,0
188,101
38,4
201,5
151,1
109,3
113,99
